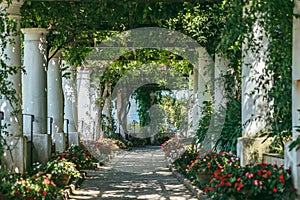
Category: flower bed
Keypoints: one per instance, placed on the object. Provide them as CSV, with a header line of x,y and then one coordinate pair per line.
x,y
43,182
228,180
78,155
262,181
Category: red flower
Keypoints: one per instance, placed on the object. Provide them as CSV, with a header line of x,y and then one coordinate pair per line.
x,y
265,176
28,189
240,186
44,193
281,178
263,165
259,172
274,190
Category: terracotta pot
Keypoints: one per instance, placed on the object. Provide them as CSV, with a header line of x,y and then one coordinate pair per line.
x,y
61,180
203,177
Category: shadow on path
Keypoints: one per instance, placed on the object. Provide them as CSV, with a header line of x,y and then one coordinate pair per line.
x,y
137,174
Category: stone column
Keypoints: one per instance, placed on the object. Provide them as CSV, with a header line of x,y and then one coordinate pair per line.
x,y
35,91
205,90
190,132
195,108
70,100
292,158
56,103
13,52
84,104
94,110
205,78
254,106
221,66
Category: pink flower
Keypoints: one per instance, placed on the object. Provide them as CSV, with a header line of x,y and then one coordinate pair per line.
x,y
249,175
256,182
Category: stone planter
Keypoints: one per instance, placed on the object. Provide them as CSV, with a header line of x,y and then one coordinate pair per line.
x,y
273,158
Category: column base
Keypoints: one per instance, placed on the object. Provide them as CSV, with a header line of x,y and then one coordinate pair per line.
x,y
41,149
15,158
250,149
292,161
74,138
59,139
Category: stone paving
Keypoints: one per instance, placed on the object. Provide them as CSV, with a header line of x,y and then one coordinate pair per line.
x,y
137,174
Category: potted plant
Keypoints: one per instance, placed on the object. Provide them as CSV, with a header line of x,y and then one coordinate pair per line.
x,y
38,186
78,155
208,164
61,171
186,158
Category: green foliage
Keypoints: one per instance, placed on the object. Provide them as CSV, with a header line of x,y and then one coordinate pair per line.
x,y
76,25
176,112
204,122
61,166
201,21
232,128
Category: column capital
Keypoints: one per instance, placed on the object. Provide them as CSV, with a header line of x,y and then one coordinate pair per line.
x,y
33,33
14,8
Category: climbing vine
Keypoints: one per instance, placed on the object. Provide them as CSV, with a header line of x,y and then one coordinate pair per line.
x,y
219,26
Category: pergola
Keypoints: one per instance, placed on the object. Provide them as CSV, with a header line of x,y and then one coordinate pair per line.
x,y
42,91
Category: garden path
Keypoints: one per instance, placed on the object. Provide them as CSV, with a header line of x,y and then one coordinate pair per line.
x,y
137,174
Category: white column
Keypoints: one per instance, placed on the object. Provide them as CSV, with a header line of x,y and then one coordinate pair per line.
x,y
205,78
35,91
195,108
292,158
55,94
35,79
70,100
205,90
56,103
13,52
94,110
255,107
16,158
221,66
84,104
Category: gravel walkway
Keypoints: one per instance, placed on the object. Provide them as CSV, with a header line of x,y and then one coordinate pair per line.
x,y
137,174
